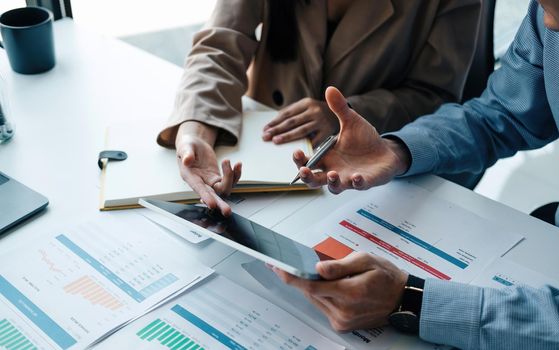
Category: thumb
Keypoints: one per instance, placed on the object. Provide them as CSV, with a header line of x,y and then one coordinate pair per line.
x,y
338,104
350,265
188,156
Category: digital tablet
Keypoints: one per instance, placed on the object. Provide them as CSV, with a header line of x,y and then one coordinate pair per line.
x,y
244,235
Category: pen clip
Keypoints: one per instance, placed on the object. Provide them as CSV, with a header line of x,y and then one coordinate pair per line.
x,y
325,142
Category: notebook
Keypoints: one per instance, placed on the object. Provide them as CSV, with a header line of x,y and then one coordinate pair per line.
x,y
151,171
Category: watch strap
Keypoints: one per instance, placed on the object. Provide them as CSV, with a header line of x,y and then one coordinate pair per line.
x,y
406,317
412,299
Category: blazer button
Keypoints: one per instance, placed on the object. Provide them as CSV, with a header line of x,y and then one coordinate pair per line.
x,y
277,97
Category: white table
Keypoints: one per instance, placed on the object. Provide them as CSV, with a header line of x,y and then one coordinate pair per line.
x,y
61,116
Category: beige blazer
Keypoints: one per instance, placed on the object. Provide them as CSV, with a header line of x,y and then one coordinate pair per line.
x,y
394,59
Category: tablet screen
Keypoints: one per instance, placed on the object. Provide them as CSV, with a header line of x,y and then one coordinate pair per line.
x,y
249,234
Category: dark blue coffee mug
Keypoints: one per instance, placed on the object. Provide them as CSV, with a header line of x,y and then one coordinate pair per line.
x,y
28,39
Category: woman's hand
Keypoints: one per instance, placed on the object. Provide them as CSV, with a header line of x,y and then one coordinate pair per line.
x,y
198,165
304,118
360,159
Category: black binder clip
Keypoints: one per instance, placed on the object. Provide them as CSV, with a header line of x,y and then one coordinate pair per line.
x,y
106,156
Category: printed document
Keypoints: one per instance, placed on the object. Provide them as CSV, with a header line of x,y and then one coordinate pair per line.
x,y
81,283
423,234
218,314
380,338
502,273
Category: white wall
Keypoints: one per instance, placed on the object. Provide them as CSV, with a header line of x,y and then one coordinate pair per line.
x,y
126,17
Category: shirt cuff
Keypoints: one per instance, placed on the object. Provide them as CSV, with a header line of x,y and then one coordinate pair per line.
x,y
450,314
424,156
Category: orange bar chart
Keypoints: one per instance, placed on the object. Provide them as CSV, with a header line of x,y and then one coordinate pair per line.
x,y
92,291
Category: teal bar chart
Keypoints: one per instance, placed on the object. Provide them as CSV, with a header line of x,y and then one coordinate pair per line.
x,y
168,336
12,339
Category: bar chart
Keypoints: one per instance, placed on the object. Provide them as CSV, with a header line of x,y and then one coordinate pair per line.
x,y
503,273
419,232
499,278
123,263
168,336
392,249
11,337
84,281
89,289
228,314
222,315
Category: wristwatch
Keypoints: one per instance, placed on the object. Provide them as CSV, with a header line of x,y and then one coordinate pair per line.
x,y
406,316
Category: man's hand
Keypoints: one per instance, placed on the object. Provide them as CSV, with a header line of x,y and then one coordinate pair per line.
x,y
359,291
360,159
304,118
198,166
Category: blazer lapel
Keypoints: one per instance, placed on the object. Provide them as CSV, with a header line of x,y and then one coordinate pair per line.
x,y
361,20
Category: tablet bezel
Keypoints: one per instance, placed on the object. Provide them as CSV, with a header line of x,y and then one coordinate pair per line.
x,y
255,254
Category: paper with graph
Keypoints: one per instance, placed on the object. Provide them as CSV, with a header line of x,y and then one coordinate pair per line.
x,y
503,273
81,283
208,318
419,232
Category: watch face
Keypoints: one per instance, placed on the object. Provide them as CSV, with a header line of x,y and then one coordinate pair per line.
x,y
405,321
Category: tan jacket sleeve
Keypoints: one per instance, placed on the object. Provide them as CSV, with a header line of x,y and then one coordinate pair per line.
x,y
437,75
215,78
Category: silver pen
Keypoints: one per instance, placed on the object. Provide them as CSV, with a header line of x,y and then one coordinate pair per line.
x,y
320,152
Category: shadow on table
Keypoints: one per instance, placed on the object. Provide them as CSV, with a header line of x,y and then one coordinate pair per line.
x,y
170,44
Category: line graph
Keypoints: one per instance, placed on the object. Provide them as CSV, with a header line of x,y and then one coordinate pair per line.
x,y
50,264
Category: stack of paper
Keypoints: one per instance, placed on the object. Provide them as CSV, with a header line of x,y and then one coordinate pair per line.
x,y
80,284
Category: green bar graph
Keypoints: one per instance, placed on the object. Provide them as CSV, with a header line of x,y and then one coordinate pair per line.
x,y
180,344
172,336
187,345
153,330
164,335
12,339
159,332
162,332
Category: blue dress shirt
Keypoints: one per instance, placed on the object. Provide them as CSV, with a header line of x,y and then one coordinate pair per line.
x,y
519,110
